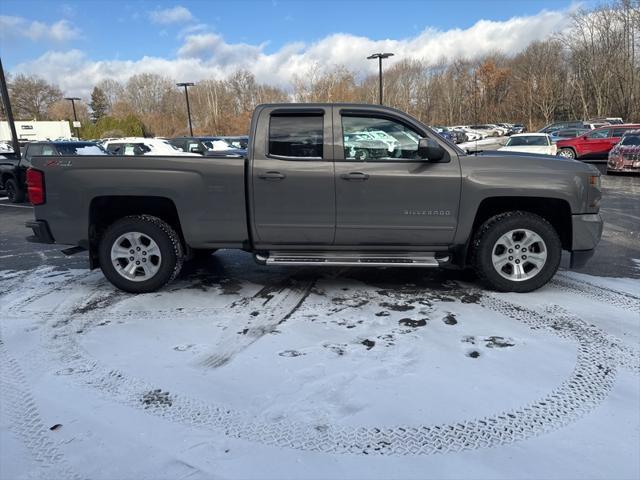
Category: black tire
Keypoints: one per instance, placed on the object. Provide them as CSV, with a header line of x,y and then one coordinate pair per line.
x,y
161,233
488,234
15,194
567,153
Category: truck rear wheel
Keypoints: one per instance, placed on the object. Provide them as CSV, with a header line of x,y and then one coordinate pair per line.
x,y
516,252
140,253
15,194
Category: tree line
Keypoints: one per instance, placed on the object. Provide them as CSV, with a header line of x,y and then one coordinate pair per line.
x,y
592,69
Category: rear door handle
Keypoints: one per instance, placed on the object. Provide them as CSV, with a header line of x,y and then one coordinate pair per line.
x,y
355,176
272,176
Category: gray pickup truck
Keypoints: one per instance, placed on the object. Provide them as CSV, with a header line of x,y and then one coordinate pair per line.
x,y
323,184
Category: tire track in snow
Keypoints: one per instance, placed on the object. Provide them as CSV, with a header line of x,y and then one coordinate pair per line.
x,y
268,308
18,410
587,386
609,296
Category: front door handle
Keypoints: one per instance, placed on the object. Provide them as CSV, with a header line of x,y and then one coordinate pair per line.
x,y
355,176
272,176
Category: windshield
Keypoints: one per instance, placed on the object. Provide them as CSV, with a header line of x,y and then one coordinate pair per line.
x,y
631,140
530,141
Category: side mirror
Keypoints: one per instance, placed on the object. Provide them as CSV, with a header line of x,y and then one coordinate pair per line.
x,y
431,150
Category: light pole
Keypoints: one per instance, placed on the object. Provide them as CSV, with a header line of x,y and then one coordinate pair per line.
x,y
380,56
4,91
186,85
75,116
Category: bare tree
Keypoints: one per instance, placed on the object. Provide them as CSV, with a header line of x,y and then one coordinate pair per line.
x,y
31,96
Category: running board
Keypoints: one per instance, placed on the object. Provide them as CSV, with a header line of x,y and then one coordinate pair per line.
x,y
416,259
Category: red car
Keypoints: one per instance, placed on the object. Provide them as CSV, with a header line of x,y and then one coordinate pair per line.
x,y
625,156
594,144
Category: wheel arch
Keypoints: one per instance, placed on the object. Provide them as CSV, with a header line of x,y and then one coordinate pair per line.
x,y
555,210
105,210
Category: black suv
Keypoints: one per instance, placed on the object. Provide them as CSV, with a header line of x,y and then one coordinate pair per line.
x,y
13,172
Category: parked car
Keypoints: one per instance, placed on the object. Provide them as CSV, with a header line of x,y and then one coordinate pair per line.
x,y
530,143
502,131
13,171
208,146
519,128
362,146
509,129
625,156
444,132
143,146
595,144
237,141
609,120
594,125
567,133
561,125
472,135
490,130
459,135
302,199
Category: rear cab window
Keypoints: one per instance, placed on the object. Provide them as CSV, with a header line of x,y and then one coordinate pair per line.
x,y
296,136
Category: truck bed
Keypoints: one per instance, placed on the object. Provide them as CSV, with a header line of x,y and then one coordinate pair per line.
x,y
208,194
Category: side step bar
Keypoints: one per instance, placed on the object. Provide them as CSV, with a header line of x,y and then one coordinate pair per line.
x,y
363,259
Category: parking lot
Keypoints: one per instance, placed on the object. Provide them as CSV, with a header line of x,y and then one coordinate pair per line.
x,y
239,370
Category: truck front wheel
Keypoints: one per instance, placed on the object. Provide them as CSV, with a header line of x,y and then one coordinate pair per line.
x,y
140,253
516,252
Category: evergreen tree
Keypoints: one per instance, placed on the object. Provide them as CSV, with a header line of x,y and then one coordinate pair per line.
x,y
99,104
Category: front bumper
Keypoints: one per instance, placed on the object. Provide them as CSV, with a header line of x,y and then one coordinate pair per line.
x,y
587,230
579,258
625,169
41,232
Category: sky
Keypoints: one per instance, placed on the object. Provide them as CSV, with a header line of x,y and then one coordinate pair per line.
x,y
78,43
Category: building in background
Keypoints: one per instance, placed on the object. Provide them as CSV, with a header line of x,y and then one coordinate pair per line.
x,y
30,131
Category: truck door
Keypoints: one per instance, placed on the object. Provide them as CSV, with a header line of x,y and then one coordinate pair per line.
x,y
385,194
292,177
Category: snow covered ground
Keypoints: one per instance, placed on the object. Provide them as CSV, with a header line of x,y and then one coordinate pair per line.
x,y
310,373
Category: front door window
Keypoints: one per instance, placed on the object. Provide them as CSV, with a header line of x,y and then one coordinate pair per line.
x,y
371,138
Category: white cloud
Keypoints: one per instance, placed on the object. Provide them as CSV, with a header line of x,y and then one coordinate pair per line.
x,y
171,15
18,27
207,55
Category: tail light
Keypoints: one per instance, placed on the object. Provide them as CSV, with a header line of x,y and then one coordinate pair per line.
x,y
35,186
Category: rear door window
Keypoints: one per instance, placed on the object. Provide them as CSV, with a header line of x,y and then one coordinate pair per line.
x,y
604,133
296,136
